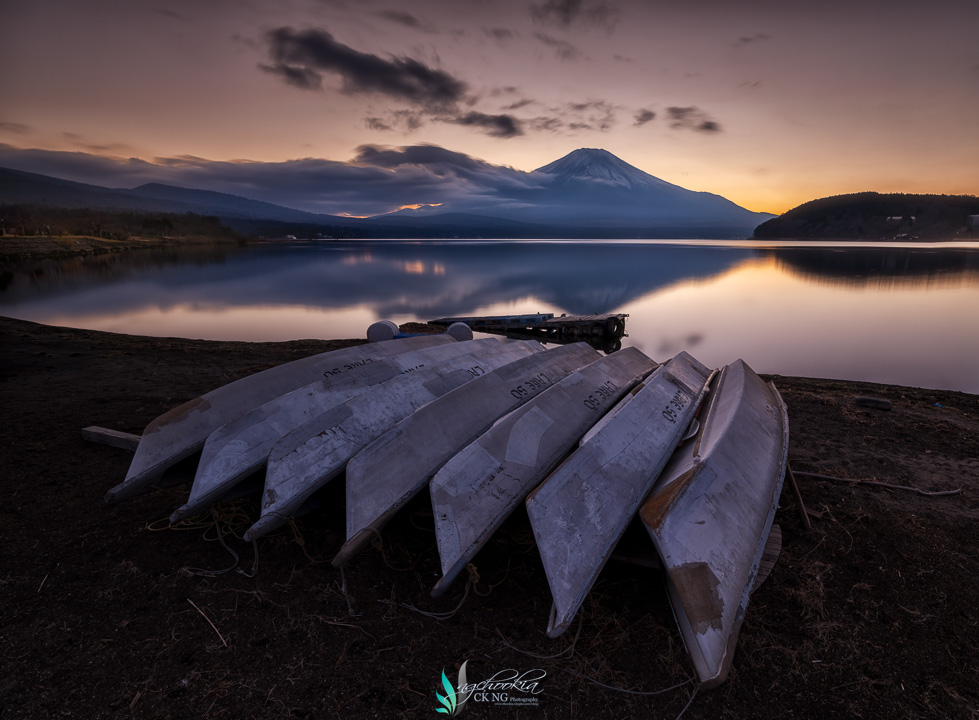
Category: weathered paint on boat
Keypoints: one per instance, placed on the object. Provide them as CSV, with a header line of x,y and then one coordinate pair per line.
x,y
182,431
394,467
310,456
711,511
480,486
581,510
242,446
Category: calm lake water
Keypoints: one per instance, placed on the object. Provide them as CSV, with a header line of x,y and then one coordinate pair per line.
x,y
902,314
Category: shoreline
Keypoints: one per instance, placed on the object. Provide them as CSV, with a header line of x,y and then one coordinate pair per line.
x,y
871,613
15,248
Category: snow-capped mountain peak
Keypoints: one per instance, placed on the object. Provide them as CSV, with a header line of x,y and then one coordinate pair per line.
x,y
600,165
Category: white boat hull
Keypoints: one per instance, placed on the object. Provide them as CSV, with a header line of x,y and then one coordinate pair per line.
x,y
711,511
242,446
397,465
312,455
481,485
182,431
580,512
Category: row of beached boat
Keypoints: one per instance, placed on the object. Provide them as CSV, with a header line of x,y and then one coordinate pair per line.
x,y
586,441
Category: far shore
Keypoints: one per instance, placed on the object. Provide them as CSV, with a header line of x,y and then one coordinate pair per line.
x,y
15,248
40,247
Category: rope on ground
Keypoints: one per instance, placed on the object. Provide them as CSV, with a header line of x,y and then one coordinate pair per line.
x,y
474,574
297,537
636,692
875,483
435,615
569,649
378,544
220,535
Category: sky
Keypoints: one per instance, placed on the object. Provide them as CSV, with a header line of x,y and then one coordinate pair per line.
x,y
318,104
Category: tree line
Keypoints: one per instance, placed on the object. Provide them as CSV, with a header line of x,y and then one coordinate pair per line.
x,y
47,221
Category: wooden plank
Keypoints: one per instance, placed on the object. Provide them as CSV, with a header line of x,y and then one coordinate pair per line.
x,y
800,505
115,438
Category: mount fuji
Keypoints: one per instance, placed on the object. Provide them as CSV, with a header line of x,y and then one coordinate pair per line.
x,y
592,193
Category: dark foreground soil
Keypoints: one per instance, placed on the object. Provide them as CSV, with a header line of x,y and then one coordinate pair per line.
x,y
108,612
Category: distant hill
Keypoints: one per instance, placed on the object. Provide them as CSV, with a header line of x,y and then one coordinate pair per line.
x,y
589,193
876,216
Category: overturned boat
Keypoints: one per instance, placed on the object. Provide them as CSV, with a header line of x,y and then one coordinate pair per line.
x,y
310,456
710,513
580,512
586,441
476,490
181,432
242,446
393,468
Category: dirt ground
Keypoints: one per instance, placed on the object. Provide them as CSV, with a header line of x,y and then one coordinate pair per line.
x,y
108,612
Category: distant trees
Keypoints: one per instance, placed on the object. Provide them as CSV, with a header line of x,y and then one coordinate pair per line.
x,y
43,220
876,216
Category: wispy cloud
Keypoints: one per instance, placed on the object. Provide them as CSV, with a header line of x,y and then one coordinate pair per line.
x,y
499,34
691,118
563,49
751,39
406,19
502,126
14,127
642,117
567,12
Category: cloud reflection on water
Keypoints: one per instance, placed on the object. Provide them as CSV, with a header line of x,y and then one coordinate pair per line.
x,y
890,315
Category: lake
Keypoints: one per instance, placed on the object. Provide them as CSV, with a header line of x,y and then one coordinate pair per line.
x,y
901,314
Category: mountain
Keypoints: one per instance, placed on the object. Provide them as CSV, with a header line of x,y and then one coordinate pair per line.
x,y
24,188
595,187
878,216
588,193
590,164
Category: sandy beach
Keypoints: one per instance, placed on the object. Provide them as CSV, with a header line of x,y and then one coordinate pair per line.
x,y
109,612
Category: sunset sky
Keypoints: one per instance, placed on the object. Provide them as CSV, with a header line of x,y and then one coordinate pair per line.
x,y
769,103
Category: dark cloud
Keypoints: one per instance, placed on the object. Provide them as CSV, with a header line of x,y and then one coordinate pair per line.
x,y
751,39
519,104
501,126
376,123
564,50
546,124
168,12
407,119
642,117
388,157
566,12
499,34
300,56
591,115
691,118
14,127
300,77
406,19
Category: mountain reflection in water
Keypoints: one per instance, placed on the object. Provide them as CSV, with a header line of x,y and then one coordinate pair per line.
x,y
885,314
